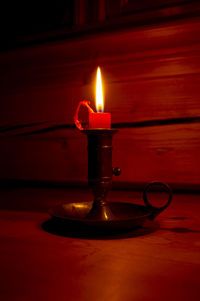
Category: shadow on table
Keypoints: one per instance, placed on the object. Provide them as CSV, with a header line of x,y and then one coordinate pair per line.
x,y
180,230
64,228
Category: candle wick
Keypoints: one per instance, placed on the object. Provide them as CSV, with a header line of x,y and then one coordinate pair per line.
x,y
100,109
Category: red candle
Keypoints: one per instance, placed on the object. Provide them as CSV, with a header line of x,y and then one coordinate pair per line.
x,y
99,120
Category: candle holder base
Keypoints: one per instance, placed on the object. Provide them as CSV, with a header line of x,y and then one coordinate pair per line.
x,y
109,215
100,211
123,216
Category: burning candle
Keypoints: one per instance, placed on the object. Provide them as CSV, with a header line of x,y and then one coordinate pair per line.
x,y
99,120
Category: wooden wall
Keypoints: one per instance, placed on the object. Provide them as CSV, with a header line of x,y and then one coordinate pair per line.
x,y
152,88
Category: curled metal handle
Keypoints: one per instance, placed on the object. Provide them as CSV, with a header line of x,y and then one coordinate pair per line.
x,y
156,210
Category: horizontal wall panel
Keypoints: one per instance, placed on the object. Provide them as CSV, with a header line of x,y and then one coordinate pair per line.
x,y
166,153
149,73
135,101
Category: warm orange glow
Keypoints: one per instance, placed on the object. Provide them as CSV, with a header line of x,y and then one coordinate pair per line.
x,y
99,92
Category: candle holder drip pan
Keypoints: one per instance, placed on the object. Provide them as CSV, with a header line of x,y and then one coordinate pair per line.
x,y
124,215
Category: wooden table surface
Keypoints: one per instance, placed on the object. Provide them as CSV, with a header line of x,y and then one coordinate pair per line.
x,y
37,265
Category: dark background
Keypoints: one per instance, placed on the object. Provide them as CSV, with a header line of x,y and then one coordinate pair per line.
x,y
33,21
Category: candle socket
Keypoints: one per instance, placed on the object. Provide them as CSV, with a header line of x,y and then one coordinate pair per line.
x,y
100,171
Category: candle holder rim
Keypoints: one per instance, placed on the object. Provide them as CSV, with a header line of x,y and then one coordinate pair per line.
x,y
99,131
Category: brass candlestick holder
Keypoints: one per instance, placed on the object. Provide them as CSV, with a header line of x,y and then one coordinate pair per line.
x,y
102,214
100,171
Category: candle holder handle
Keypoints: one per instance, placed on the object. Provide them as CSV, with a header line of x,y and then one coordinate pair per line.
x,y
156,210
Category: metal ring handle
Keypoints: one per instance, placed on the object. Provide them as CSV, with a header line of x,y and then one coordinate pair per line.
x,y
167,189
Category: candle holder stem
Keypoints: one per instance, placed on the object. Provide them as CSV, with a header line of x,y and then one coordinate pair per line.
x,y
100,171
100,209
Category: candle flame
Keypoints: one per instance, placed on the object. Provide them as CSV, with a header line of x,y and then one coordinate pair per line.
x,y
99,92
